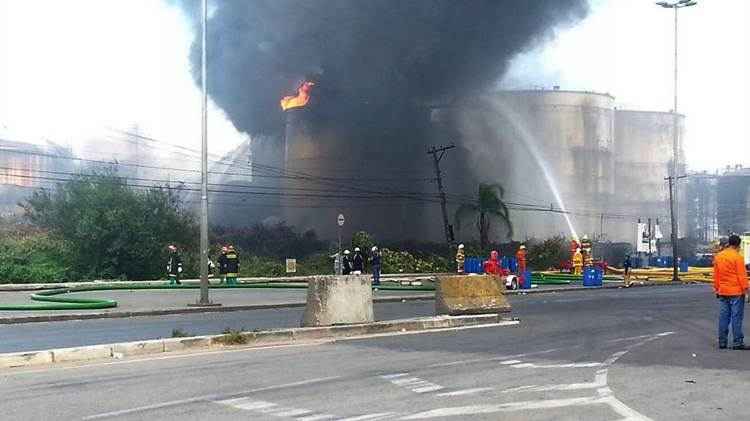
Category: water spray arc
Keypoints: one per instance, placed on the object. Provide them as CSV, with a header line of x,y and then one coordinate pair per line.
x,y
531,145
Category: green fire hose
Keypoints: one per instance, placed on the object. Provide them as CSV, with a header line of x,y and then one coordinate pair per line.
x,y
51,300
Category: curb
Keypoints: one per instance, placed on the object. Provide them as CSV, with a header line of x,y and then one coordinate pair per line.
x,y
254,280
251,340
186,310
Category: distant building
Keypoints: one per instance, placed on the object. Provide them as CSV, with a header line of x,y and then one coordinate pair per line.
x,y
25,167
733,200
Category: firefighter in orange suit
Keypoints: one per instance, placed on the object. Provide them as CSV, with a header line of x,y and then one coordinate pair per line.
x,y
578,263
521,259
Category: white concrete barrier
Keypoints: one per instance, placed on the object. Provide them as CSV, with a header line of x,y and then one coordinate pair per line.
x,y
333,300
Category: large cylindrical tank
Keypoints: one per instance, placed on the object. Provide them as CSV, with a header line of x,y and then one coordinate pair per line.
x,y
643,159
548,149
733,197
376,178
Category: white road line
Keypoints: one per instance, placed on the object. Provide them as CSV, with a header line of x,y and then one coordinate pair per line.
x,y
518,389
509,362
273,409
415,384
567,365
370,417
504,407
466,391
505,357
293,413
317,417
422,332
204,398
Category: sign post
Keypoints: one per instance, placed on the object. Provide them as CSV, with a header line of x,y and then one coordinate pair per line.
x,y
340,221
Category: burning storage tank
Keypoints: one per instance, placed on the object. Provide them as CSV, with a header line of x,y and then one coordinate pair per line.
x,y
346,162
643,151
549,149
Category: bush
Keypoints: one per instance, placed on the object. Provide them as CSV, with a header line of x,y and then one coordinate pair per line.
x,y
231,337
112,230
405,262
280,240
34,257
549,253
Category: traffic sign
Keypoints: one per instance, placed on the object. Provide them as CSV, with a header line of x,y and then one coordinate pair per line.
x,y
341,220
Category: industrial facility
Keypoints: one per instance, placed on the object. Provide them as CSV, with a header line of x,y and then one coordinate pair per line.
x,y
569,162
25,167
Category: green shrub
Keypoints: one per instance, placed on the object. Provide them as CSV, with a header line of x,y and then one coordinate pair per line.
x,y
34,257
231,337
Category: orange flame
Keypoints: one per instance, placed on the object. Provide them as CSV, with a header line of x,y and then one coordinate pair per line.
x,y
299,100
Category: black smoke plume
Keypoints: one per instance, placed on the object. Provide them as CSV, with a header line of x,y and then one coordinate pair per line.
x,y
382,56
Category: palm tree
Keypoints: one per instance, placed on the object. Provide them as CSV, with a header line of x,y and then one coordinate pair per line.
x,y
488,206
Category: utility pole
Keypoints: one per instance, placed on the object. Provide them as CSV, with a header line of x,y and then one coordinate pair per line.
x,y
675,5
203,264
675,276
437,155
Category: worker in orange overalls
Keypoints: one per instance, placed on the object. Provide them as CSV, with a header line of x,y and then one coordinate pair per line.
x,y
521,259
578,263
730,286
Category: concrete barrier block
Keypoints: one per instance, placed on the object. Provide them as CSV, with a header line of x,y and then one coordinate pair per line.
x,y
335,300
182,344
25,359
82,353
127,349
461,294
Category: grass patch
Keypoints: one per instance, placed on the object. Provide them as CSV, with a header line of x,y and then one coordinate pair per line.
x,y
231,337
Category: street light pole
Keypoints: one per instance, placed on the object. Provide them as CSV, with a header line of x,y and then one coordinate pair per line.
x,y
673,195
204,300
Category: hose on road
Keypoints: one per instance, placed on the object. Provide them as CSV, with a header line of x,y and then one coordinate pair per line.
x,y
50,300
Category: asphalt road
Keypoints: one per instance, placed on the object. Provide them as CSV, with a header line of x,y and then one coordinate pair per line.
x,y
639,354
46,335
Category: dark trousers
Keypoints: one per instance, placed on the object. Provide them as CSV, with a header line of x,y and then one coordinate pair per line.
x,y
731,310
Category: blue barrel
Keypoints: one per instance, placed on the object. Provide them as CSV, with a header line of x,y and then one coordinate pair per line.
x,y
593,277
684,266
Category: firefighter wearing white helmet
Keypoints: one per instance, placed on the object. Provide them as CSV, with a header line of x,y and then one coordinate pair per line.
x,y
460,259
375,259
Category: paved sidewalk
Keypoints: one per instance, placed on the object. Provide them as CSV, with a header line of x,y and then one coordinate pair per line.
x,y
175,299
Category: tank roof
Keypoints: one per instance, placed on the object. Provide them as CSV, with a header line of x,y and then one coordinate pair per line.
x,y
553,91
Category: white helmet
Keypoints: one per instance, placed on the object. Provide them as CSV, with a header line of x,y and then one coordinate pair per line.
x,y
460,246
356,248
346,251
374,248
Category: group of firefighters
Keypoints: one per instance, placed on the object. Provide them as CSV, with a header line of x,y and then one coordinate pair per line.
x,y
228,260
355,265
493,265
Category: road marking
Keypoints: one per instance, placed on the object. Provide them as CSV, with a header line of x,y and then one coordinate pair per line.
x,y
567,365
482,360
421,332
466,391
509,362
503,407
273,409
204,398
370,417
415,384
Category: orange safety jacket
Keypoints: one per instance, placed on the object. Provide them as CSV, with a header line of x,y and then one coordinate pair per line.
x,y
730,275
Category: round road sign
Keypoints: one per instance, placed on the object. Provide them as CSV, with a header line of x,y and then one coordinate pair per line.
x,y
341,220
